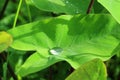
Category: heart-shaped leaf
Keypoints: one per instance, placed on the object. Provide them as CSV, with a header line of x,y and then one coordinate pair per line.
x,y
75,39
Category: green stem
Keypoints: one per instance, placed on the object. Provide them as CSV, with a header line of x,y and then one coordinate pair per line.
x,y
5,59
29,13
17,13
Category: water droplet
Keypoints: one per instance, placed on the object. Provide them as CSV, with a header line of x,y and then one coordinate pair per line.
x,y
66,2
56,50
77,11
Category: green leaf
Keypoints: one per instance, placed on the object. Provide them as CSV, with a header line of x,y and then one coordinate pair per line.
x,y
75,39
92,70
36,62
112,6
5,40
63,6
98,8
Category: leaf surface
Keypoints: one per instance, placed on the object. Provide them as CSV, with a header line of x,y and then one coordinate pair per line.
x,y
75,39
92,70
63,6
5,40
112,6
36,62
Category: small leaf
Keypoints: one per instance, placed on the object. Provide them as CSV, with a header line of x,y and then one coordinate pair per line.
x,y
5,40
112,6
92,70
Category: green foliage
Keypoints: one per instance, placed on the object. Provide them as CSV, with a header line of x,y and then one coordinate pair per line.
x,y
87,72
62,6
80,44
112,6
5,40
38,61
59,37
5,71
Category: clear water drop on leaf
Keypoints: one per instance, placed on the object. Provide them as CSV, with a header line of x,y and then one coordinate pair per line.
x,y
56,51
77,11
66,2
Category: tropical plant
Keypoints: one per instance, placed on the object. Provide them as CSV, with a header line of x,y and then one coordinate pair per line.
x,y
56,35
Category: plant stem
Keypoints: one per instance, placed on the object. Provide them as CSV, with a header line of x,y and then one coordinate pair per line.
x,y
17,13
50,73
14,1
9,66
28,10
12,72
90,6
4,8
